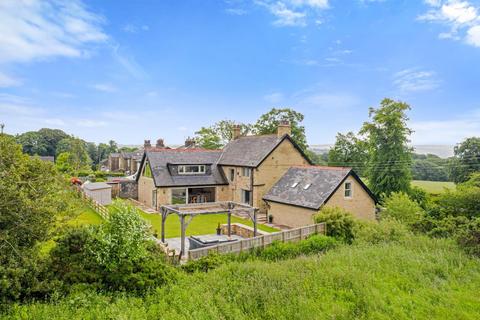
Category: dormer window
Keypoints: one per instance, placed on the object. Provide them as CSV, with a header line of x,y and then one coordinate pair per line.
x,y
192,169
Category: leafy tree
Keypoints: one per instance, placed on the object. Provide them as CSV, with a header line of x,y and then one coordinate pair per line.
x,y
51,138
317,158
399,206
79,158
466,160
113,146
389,166
64,162
428,170
219,134
268,123
340,223
349,151
32,143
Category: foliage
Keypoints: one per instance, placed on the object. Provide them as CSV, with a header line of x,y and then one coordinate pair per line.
x,y
42,142
464,201
349,151
340,223
317,158
418,278
469,237
399,206
390,157
268,124
387,230
466,160
31,197
219,134
418,195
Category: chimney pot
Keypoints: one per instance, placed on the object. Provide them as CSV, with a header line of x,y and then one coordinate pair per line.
x,y
160,143
147,144
189,142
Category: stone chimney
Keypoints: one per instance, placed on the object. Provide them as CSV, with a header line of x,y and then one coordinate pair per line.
x,y
189,142
147,144
236,131
160,144
284,128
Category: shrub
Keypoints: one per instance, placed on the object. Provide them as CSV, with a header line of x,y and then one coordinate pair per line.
x,y
419,196
399,206
205,264
340,223
387,230
469,237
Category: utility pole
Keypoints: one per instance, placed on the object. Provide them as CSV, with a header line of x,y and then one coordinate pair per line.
x,y
2,125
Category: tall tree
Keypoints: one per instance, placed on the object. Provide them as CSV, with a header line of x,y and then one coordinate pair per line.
x,y
79,158
349,151
42,142
268,123
466,160
389,167
207,138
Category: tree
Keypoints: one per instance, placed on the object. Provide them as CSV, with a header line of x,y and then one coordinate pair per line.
x,y
428,170
268,124
113,146
79,158
219,134
42,142
349,151
389,166
466,160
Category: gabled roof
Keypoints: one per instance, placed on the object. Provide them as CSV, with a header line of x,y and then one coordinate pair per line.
x,y
323,182
96,186
162,162
250,151
134,155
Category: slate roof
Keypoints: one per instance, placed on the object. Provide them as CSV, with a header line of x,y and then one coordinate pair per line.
x,y
135,155
324,182
96,186
162,163
249,151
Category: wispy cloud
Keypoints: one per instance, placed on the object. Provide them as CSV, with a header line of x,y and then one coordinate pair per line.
x,y
410,80
8,81
132,28
40,29
294,13
461,17
128,62
274,97
446,131
104,87
236,11
89,123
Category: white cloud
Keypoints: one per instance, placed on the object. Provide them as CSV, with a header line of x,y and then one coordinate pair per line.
x,y
294,12
104,87
131,28
274,97
7,81
446,131
18,109
409,80
461,17
35,29
128,62
91,123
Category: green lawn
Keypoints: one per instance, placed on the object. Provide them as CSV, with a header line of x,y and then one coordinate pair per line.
x,y
434,187
86,215
203,224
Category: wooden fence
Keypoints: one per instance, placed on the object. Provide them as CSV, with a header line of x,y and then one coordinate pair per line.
x,y
259,241
100,209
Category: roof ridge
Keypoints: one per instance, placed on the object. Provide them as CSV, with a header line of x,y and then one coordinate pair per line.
x,y
322,167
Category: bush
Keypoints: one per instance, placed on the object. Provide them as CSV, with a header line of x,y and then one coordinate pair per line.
x,y
469,237
387,230
399,206
207,263
340,223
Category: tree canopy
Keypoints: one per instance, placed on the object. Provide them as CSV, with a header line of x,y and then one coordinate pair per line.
x,y
466,160
349,151
389,165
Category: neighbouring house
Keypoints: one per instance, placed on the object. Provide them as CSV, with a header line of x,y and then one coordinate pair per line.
x,y
113,161
190,143
302,191
98,191
243,171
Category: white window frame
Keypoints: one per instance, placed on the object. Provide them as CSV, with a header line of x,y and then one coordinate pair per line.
x,y
182,169
246,172
350,189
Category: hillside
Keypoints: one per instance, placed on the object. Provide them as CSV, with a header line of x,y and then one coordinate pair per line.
x,y
419,278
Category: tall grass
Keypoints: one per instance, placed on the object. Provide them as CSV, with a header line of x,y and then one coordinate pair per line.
x,y
416,278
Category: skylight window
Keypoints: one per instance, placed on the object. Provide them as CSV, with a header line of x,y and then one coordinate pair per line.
x,y
294,184
307,186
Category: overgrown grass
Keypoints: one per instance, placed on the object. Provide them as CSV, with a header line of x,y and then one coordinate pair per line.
x,y
416,278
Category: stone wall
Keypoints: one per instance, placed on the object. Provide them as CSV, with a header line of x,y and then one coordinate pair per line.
x,y
241,230
128,189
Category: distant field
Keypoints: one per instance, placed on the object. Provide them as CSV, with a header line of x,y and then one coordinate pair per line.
x,y
435,187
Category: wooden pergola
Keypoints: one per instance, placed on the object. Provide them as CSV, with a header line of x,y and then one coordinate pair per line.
x,y
191,210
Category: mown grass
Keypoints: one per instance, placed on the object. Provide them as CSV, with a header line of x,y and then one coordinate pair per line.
x,y
202,224
434,187
417,278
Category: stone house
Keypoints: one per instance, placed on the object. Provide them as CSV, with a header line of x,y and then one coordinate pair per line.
x,y
245,170
302,191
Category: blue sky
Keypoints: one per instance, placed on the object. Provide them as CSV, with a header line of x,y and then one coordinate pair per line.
x,y
130,70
